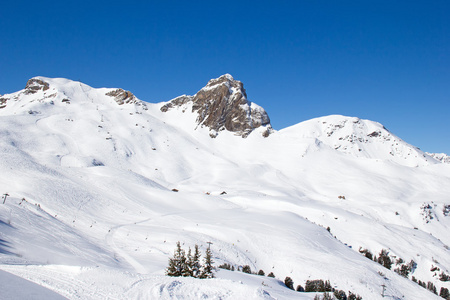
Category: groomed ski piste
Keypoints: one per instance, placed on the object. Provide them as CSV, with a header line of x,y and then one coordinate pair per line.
x,y
99,192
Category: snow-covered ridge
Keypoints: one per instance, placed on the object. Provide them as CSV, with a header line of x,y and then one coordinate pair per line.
x,y
61,91
360,138
441,157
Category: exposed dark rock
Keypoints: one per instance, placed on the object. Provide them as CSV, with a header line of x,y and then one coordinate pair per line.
x,y
34,85
179,101
374,134
3,102
121,96
222,105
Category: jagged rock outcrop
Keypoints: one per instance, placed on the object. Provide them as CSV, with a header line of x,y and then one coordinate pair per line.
x,y
34,85
222,105
121,96
3,102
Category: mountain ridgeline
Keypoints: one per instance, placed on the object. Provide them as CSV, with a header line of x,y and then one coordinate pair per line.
x,y
99,186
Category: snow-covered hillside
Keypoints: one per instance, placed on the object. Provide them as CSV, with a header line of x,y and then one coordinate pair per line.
x,y
100,186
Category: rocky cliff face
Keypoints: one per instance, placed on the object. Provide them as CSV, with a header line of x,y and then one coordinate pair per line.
x,y
34,85
222,105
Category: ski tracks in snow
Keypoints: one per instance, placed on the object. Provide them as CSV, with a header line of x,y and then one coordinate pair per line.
x,y
122,253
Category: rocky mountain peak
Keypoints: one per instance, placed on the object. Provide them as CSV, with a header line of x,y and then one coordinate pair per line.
x,y
34,85
121,96
222,105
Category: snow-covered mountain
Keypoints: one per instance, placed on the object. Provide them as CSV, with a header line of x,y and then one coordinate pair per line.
x,y
89,178
222,105
441,157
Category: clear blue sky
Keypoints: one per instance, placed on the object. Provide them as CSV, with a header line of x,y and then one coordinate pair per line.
x,y
387,61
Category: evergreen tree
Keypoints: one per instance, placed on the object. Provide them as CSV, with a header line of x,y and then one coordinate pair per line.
x,y
289,282
271,275
225,266
327,286
340,295
177,264
300,288
384,259
431,287
444,293
207,270
261,273
444,277
327,296
247,269
196,266
352,296
188,264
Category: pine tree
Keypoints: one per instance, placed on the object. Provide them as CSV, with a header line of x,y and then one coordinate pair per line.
x,y
384,259
187,266
444,293
340,295
271,275
207,270
247,269
196,267
327,296
431,287
289,282
177,263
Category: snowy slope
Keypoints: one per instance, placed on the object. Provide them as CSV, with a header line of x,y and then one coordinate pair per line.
x,y
91,213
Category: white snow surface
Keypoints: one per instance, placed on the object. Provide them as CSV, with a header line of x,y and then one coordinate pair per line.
x,y
91,213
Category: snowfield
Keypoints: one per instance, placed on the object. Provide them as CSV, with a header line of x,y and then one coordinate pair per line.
x,y
91,210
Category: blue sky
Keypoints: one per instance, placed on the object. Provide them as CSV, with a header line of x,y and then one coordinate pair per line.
x,y
387,61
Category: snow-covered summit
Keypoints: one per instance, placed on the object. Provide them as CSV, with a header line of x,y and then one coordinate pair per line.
x,y
359,138
41,92
222,105
442,157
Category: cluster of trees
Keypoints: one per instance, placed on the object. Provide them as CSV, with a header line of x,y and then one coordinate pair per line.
x,y
188,265
318,286
404,269
444,277
311,285
339,295
444,292
245,269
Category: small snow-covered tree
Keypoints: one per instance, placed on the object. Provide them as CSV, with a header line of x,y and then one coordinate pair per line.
x,y
207,270
289,282
177,263
271,275
247,269
384,259
340,295
187,266
196,266
444,293
431,287
327,296
352,296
